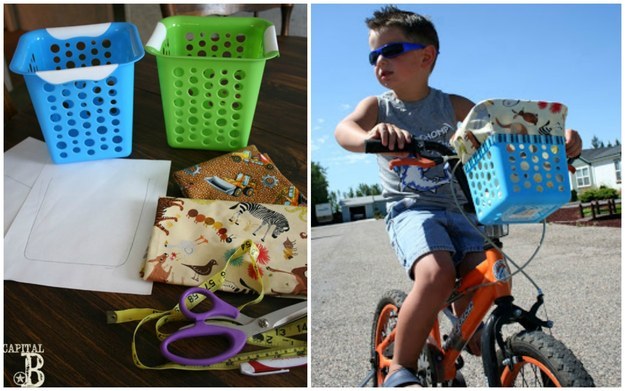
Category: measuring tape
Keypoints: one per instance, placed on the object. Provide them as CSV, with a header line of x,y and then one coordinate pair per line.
x,y
278,341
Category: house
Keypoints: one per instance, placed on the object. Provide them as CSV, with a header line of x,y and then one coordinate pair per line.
x,y
597,167
366,207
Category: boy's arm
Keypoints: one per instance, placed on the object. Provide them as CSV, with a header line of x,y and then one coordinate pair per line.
x,y
362,125
462,106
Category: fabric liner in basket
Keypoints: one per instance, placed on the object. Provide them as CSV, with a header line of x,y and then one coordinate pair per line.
x,y
192,240
508,116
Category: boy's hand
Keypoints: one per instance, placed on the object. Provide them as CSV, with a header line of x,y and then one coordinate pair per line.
x,y
573,144
390,135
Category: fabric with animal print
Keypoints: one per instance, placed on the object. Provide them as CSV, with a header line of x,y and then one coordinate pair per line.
x,y
192,239
246,175
508,116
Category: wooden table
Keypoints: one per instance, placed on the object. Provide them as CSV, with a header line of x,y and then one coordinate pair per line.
x,y
80,348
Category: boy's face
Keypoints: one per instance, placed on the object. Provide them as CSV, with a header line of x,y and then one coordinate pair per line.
x,y
396,71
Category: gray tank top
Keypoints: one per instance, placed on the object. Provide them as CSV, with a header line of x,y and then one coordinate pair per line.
x,y
432,119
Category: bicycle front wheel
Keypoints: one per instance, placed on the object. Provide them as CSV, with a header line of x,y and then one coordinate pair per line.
x,y
539,360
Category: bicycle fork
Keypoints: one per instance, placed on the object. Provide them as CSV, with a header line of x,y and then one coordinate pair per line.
x,y
506,313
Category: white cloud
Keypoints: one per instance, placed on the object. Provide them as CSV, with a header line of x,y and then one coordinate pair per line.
x,y
319,124
317,143
349,158
345,107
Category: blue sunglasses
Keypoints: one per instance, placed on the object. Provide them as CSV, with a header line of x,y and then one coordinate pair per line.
x,y
391,50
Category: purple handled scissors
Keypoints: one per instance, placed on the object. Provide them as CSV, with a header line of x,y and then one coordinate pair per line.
x,y
226,321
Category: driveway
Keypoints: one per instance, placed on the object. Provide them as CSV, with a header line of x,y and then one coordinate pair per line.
x,y
577,268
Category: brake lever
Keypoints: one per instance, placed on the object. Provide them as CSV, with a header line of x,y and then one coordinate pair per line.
x,y
415,148
419,160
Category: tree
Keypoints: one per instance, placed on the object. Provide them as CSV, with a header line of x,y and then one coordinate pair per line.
x,y
362,190
595,142
334,201
319,184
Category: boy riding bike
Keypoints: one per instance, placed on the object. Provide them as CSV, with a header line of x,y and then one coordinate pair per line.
x,y
432,239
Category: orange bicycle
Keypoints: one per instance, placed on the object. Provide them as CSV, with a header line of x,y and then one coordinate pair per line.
x,y
529,358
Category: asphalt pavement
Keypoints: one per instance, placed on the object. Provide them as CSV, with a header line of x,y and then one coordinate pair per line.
x,y
577,268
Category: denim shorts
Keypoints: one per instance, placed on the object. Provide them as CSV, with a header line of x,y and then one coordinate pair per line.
x,y
417,231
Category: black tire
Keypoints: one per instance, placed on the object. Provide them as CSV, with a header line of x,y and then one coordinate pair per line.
x,y
384,320
555,365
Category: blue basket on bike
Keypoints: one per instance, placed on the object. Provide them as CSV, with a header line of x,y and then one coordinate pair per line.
x,y
518,178
80,80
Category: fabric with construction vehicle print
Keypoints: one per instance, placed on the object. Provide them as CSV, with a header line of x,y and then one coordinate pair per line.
x,y
192,239
508,116
246,175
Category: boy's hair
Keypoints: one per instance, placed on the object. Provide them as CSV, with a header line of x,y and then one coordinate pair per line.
x,y
414,26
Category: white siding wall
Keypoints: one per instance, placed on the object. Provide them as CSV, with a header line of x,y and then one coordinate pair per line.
x,y
605,176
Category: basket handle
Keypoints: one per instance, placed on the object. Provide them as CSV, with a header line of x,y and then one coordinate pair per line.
x,y
66,75
154,44
90,30
270,42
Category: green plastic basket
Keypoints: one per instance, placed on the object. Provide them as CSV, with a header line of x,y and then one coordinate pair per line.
x,y
210,70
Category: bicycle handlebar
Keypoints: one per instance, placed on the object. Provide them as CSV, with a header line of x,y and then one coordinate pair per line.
x,y
415,146
419,148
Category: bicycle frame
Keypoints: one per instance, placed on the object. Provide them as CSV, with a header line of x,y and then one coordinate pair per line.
x,y
493,271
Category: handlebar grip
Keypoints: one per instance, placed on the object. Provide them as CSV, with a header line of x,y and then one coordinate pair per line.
x,y
375,146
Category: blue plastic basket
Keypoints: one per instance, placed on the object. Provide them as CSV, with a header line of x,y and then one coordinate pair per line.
x,y
80,80
518,178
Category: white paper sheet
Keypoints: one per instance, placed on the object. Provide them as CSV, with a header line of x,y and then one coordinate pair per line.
x,y
87,225
22,165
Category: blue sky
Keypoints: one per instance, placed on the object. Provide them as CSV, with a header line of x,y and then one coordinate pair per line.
x,y
565,53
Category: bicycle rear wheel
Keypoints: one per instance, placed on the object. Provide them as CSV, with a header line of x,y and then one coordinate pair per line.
x,y
384,321
541,361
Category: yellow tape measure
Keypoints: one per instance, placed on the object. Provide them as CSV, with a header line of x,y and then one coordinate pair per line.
x,y
278,341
